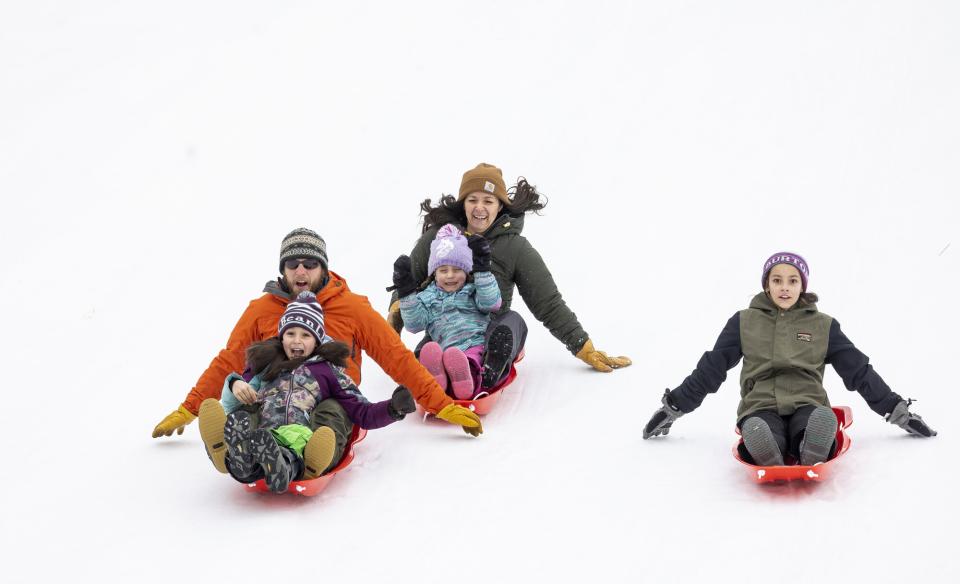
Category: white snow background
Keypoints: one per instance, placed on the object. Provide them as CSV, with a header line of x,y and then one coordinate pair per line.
x,y
153,155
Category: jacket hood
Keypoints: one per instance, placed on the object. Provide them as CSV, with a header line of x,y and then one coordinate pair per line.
x,y
762,302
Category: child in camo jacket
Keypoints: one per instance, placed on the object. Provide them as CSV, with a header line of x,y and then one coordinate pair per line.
x,y
262,427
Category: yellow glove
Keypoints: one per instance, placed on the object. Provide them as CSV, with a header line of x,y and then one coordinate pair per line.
x,y
600,360
461,416
179,418
394,318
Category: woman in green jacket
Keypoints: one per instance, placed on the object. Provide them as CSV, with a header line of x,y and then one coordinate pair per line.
x,y
484,207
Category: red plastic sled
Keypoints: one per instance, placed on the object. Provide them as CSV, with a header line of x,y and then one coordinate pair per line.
x,y
817,472
484,404
313,487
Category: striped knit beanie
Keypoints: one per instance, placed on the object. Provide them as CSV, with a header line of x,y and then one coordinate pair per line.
x,y
304,312
786,257
303,243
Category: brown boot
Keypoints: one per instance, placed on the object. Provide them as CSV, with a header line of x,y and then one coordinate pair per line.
x,y
318,453
212,420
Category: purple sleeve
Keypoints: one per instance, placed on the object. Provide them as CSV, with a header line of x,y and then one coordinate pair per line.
x,y
361,411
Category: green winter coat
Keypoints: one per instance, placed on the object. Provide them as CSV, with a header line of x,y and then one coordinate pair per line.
x,y
515,262
783,357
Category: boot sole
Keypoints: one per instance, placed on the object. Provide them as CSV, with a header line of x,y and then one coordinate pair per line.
x,y
819,436
434,363
236,433
458,369
759,441
212,418
318,453
498,354
267,453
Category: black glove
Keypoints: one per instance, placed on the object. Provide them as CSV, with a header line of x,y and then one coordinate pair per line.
x,y
480,246
909,421
401,403
662,419
403,277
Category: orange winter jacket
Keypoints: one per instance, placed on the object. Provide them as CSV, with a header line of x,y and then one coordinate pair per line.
x,y
349,318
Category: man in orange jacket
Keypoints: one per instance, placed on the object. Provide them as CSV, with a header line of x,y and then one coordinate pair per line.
x,y
348,318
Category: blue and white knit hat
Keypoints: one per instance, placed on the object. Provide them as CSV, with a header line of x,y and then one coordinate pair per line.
x,y
304,312
450,248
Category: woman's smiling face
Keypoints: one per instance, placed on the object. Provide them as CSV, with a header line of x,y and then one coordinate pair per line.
x,y
481,209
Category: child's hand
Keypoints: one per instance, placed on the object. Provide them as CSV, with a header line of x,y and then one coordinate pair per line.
x,y
662,419
243,392
909,421
401,403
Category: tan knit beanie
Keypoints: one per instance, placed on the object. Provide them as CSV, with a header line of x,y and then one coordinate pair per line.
x,y
485,178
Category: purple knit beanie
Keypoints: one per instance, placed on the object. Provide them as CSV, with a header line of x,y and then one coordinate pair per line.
x,y
304,312
786,257
450,249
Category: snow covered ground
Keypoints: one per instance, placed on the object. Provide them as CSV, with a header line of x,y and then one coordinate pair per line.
x,y
152,156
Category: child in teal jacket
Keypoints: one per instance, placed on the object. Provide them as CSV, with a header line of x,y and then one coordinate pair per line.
x,y
454,312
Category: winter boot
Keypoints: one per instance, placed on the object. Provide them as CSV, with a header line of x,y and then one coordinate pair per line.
x,y
458,369
819,436
237,433
431,357
497,355
278,469
760,443
318,453
212,420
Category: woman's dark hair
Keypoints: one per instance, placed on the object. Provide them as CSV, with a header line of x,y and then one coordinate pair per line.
x,y
524,198
268,359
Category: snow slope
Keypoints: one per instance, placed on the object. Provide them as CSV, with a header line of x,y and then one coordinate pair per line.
x,y
152,156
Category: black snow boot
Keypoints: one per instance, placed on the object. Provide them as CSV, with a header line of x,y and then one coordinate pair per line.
x,y
819,436
760,442
276,461
497,356
237,433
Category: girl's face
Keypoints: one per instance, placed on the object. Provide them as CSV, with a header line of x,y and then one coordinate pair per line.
x,y
298,342
481,209
450,279
784,285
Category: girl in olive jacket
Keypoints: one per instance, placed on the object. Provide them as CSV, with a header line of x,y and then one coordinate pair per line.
x,y
785,342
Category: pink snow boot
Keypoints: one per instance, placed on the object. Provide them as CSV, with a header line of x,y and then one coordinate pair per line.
x,y
431,357
455,362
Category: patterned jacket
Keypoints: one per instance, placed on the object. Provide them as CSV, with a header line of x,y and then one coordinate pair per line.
x,y
291,397
453,319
